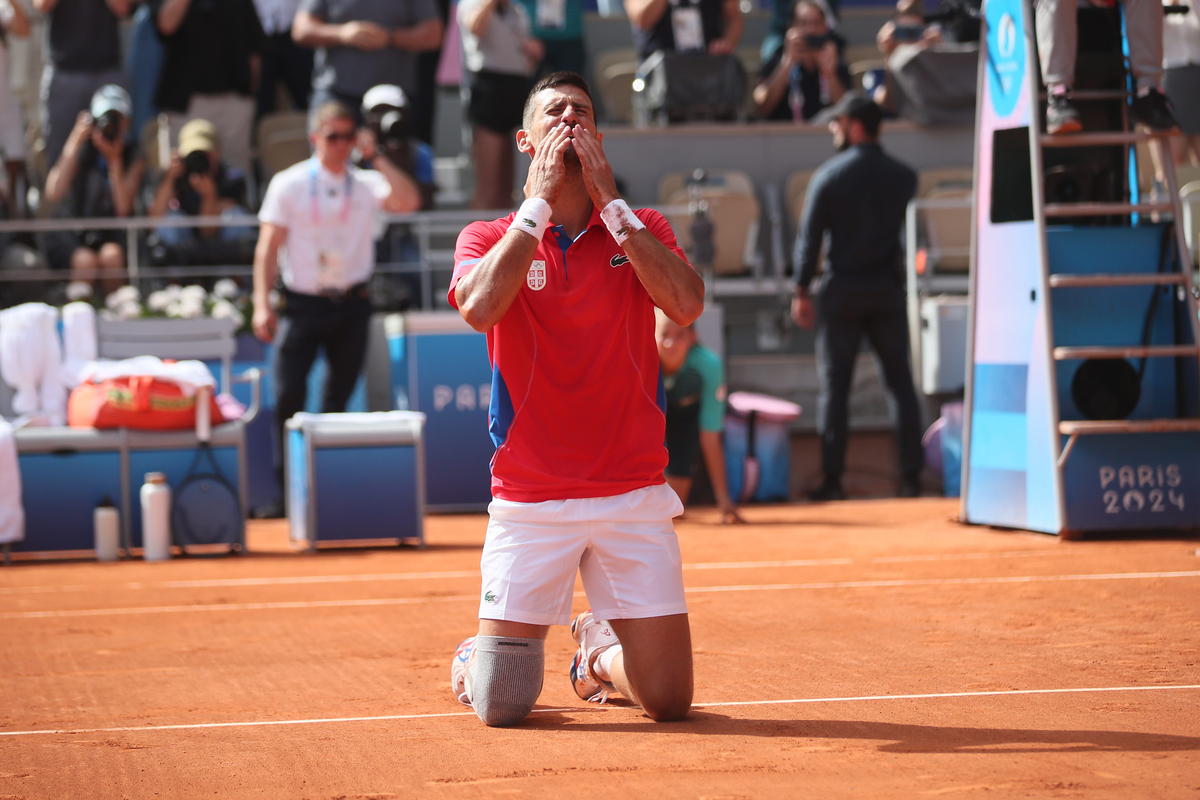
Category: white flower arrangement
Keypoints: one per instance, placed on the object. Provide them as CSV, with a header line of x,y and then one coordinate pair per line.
x,y
225,301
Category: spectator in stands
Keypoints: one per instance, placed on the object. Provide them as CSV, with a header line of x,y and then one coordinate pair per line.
x,y
365,43
806,74
423,100
84,54
1181,81
13,22
198,183
695,385
1058,42
500,55
714,26
283,59
907,28
212,62
98,175
782,14
387,131
145,62
558,25
859,197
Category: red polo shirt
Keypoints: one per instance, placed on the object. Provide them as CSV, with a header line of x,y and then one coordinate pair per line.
x,y
577,406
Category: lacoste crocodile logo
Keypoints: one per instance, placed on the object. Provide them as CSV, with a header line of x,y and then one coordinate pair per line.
x,y
618,260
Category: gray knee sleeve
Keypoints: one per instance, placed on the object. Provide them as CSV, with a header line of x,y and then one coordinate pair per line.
x,y
506,678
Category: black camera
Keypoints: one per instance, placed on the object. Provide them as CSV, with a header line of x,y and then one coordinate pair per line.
x,y
909,33
815,41
109,125
389,124
196,163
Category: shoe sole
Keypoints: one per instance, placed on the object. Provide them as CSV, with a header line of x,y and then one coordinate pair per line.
x,y
1071,126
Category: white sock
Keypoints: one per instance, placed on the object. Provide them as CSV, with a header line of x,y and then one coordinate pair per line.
x,y
602,667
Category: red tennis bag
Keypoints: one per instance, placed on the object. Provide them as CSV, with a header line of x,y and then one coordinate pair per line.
x,y
141,402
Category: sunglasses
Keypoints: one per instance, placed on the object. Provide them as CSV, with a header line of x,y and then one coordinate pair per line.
x,y
340,137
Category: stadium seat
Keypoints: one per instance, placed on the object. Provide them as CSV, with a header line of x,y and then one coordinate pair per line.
x,y
955,177
722,180
282,141
948,230
793,195
735,218
616,91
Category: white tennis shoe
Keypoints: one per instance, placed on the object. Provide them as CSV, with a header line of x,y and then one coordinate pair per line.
x,y
459,674
593,637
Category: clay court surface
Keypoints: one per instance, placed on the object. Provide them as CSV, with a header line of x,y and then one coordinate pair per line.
x,y
861,649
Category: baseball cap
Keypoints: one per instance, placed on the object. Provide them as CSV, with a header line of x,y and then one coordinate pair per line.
x,y
110,98
197,136
854,106
384,94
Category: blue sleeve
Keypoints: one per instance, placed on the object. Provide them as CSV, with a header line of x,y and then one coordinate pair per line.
x,y
423,164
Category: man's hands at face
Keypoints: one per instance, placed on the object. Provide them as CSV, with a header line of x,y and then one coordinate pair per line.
x,y
597,174
547,173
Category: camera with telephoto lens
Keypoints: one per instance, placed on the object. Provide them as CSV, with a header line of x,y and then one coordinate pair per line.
x,y
194,163
389,124
909,33
109,125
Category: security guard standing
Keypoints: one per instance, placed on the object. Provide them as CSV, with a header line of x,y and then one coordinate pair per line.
x,y
317,232
859,197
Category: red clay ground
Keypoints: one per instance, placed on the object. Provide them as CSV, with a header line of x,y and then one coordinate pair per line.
x,y
863,649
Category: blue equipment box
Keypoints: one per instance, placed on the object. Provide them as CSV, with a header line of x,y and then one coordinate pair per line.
x,y
356,476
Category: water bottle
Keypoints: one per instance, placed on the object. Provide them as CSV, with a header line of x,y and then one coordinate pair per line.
x,y
156,517
106,526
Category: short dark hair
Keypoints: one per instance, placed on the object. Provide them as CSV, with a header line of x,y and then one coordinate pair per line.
x,y
560,78
856,106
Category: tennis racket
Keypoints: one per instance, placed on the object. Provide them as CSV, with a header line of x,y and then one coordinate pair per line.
x,y
206,508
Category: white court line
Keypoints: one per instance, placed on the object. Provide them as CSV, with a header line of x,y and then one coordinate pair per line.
x,y
408,576
97,612
394,717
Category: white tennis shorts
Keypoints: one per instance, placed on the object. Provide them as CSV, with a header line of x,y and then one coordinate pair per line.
x,y
624,548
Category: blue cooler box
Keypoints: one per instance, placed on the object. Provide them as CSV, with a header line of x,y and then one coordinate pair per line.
x,y
356,476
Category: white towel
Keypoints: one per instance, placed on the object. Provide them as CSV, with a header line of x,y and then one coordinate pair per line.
x,y
187,374
79,341
12,513
21,355
53,393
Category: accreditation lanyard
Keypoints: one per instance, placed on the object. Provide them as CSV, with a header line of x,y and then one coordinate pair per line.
x,y
331,266
313,192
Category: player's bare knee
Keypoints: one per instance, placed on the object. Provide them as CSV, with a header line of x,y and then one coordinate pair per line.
x,y
665,703
667,709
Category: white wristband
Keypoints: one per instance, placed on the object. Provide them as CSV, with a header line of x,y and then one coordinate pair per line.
x,y
533,217
620,220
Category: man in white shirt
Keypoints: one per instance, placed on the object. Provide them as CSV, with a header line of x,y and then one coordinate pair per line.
x,y
317,233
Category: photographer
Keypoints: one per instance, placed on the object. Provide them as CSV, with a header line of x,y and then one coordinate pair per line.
x,y
97,175
907,30
387,133
807,71
197,183
908,27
